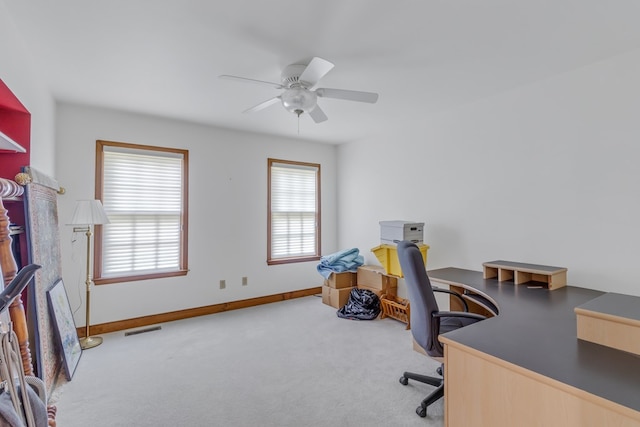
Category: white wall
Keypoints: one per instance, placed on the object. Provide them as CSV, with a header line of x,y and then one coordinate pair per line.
x,y
547,174
24,79
227,212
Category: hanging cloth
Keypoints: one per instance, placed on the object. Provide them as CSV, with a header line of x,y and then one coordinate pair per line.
x,y
28,409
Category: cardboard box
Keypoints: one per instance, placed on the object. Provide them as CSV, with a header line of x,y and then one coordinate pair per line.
x,y
341,280
393,231
336,298
379,292
373,276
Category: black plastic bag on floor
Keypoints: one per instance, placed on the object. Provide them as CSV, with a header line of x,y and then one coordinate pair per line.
x,y
362,305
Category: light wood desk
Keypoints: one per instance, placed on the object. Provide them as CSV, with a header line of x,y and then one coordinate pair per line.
x,y
526,366
612,320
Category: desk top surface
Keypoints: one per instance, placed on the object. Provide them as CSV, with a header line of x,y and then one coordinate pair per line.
x,y
619,305
536,330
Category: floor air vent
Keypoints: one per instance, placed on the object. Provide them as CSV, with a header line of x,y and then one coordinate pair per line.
x,y
142,331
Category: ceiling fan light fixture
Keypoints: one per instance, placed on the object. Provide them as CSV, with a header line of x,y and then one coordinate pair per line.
x,y
299,100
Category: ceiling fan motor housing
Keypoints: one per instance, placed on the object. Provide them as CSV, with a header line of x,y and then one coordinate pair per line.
x,y
297,98
291,74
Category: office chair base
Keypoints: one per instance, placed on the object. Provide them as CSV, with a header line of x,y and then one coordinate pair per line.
x,y
436,382
422,411
435,394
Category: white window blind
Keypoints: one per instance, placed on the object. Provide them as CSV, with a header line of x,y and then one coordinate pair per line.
x,y
294,210
142,195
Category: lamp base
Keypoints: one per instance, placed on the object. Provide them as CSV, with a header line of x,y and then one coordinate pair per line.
x,y
90,342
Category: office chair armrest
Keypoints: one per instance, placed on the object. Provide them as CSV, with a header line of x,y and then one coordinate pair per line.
x,y
482,301
17,285
475,316
457,295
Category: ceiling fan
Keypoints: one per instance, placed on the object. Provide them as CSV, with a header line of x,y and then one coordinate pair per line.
x,y
300,93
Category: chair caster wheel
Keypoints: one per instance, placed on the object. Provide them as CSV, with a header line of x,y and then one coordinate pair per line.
x,y
422,411
404,380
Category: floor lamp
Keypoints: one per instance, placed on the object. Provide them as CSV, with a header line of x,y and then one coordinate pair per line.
x,y
88,213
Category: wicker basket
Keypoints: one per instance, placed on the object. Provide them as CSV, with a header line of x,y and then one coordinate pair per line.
x,y
396,308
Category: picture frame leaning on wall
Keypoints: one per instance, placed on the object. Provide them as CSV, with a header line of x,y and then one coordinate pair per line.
x,y
65,327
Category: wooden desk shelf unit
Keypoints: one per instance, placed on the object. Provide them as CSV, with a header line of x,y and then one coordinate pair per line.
x,y
519,273
612,320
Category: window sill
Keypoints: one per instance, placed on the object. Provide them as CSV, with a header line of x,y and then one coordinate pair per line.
x,y
122,279
292,260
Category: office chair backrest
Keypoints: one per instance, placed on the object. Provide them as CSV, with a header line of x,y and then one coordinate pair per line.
x,y
424,326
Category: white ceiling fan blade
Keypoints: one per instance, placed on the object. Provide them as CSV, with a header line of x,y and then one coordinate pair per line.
x,y
316,69
262,105
349,95
318,115
244,79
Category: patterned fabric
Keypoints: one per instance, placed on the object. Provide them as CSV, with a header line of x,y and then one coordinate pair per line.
x,y
43,241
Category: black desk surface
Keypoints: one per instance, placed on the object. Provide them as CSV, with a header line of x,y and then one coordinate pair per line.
x,y
620,305
536,329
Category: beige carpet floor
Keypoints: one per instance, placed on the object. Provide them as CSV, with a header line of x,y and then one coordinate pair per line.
x,y
291,363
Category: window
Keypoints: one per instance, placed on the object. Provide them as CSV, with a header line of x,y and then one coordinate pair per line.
x,y
144,192
294,212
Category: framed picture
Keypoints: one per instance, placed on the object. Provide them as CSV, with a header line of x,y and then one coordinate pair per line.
x,y
65,327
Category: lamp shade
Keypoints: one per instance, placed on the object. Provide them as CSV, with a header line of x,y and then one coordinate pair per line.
x,y
89,212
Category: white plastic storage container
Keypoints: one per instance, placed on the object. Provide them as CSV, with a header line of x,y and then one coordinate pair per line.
x,y
393,231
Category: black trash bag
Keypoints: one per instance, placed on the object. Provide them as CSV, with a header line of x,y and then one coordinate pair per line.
x,y
362,305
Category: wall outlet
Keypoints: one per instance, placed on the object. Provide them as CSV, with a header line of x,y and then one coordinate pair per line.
x,y
245,281
223,284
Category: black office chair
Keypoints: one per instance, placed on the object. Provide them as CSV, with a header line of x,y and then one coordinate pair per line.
x,y
427,321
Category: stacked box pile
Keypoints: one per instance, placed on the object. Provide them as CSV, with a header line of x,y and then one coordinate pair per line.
x,y
391,232
336,289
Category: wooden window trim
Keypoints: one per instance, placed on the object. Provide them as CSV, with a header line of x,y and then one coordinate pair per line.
x,y
316,257
97,242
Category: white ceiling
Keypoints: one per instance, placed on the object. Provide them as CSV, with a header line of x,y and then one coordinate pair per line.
x,y
162,57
